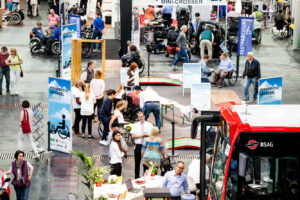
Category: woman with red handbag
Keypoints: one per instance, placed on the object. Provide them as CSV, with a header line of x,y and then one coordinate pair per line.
x,y
26,118
22,171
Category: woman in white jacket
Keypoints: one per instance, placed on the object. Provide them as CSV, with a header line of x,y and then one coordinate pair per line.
x,y
88,100
116,153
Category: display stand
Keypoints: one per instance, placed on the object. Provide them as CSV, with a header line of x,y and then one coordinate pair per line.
x,y
37,132
76,59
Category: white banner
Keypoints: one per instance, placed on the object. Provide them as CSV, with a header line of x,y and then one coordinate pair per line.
x,y
200,96
178,2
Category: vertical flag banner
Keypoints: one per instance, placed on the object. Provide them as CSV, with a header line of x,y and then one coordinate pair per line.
x,y
69,32
76,19
200,96
270,91
245,35
59,114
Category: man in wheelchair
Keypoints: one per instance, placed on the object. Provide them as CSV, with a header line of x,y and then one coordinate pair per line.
x,y
53,38
130,113
132,56
225,67
37,32
280,20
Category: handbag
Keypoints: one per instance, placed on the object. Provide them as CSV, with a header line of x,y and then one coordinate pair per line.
x,y
20,184
25,123
21,72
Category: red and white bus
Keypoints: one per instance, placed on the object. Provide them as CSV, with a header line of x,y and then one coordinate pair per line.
x,y
255,153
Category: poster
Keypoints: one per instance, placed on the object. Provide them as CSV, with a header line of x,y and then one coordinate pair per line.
x,y
123,75
270,91
59,114
135,29
69,32
191,74
75,19
200,96
245,35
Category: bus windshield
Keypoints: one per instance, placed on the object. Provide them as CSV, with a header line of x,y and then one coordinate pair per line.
x,y
274,178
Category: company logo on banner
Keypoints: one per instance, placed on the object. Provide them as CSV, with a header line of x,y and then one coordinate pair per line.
x,y
75,19
69,32
200,96
270,91
245,35
181,2
59,114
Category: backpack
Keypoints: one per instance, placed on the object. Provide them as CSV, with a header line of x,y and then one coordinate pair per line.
x,y
258,16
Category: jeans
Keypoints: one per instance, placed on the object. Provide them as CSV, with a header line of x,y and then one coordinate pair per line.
x,y
88,118
155,108
96,34
4,71
182,52
14,80
205,80
77,120
137,160
246,90
22,194
98,105
30,140
105,120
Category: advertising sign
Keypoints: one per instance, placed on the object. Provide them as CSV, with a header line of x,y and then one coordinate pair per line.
x,y
270,91
123,75
245,35
69,32
191,75
200,96
75,19
59,114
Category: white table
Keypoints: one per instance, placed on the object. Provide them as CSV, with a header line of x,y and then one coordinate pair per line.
x,y
151,182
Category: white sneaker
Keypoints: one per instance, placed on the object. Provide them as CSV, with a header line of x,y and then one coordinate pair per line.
x,y
103,142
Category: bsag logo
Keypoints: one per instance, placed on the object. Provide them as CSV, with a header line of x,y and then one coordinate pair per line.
x,y
252,144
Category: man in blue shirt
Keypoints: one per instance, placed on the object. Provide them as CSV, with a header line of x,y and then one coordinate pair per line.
x,y
54,37
38,32
175,181
98,29
225,67
167,11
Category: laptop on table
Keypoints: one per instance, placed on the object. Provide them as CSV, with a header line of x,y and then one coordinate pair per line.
x,y
130,188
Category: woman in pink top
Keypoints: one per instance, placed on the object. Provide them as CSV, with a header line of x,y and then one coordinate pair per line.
x,y
53,18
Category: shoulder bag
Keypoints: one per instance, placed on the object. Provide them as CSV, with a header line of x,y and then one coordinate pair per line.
x,y
21,72
25,123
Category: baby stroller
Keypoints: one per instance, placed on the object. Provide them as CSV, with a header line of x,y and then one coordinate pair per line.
x,y
183,15
155,41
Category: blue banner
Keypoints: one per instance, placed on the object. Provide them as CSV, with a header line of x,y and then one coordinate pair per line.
x,y
69,32
59,114
75,19
270,91
245,35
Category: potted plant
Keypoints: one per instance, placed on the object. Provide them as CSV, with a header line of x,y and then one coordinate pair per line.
x,y
90,175
154,171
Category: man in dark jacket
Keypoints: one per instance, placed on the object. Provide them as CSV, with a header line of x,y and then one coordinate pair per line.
x,y
252,71
87,74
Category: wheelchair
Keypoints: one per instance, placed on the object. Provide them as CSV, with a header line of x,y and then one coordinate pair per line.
x,y
130,113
